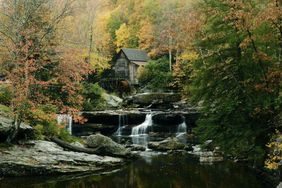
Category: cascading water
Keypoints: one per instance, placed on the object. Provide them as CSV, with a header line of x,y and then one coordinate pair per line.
x,y
121,123
139,133
181,129
181,132
65,119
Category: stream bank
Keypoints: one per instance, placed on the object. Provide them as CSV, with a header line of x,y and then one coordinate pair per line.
x,y
154,170
35,158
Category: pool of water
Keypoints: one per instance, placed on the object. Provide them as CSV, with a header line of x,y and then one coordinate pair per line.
x,y
153,171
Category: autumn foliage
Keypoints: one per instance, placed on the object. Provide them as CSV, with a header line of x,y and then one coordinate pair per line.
x,y
40,72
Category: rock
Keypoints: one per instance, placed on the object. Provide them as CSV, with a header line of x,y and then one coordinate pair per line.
x,y
188,148
208,145
112,100
207,156
107,144
6,126
165,145
210,157
157,99
280,185
107,121
37,158
78,144
168,119
135,147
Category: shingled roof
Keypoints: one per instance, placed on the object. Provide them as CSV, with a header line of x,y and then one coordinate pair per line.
x,y
135,54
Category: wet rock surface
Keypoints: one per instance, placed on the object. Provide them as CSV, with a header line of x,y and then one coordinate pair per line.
x,y
106,144
168,119
47,158
207,156
107,122
156,100
166,145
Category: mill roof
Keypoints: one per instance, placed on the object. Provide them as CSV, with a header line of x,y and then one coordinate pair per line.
x,y
136,54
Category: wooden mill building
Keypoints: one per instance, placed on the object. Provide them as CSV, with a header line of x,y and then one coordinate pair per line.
x,y
127,63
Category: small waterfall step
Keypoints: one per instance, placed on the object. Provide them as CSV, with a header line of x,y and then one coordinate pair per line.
x,y
181,129
139,133
66,120
122,120
142,128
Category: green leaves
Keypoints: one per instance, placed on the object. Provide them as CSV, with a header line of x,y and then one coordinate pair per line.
x,y
239,98
156,75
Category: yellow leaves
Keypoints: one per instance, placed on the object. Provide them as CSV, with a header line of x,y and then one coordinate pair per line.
x,y
275,155
122,37
98,62
146,35
188,56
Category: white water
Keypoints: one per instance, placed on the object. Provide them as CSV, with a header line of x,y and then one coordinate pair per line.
x,y
66,120
142,128
181,129
139,133
121,124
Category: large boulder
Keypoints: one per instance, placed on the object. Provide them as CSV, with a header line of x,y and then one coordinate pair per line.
x,y
111,100
6,126
106,144
166,145
37,158
168,119
206,156
156,100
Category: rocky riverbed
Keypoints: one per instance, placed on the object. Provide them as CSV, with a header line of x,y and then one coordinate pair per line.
x,y
47,158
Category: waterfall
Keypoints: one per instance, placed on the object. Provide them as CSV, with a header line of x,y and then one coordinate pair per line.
x,y
181,133
181,129
121,123
65,119
142,128
139,133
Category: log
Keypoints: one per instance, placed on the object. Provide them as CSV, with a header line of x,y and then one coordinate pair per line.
x,y
97,151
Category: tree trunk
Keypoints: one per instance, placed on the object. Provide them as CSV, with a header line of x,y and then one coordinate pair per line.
x,y
170,54
98,151
90,43
14,131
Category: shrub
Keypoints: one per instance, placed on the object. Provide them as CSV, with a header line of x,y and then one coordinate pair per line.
x,y
156,75
6,94
93,97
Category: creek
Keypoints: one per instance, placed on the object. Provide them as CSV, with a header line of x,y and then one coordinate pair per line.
x,y
153,170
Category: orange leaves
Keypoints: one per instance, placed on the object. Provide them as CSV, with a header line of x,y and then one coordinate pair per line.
x,y
241,14
40,72
272,13
272,82
146,35
245,43
262,57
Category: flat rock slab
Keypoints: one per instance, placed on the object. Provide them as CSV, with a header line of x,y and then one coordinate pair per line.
x,y
47,158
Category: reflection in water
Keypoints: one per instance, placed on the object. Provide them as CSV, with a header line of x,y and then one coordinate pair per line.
x,y
162,171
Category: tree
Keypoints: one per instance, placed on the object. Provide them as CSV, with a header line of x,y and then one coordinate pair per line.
x,y
39,71
155,75
125,38
82,32
237,77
